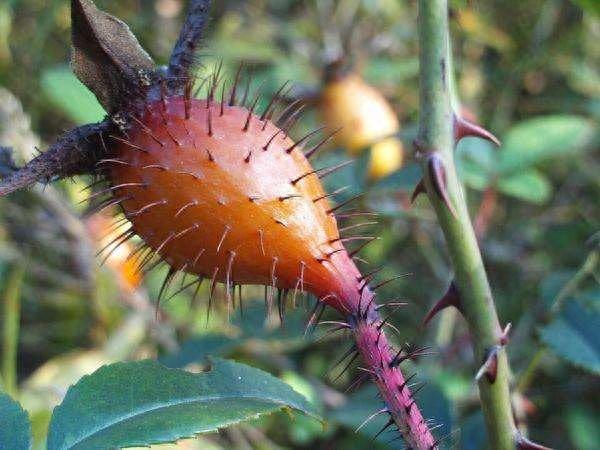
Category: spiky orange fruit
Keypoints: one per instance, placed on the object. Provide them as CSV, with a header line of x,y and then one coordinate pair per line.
x,y
366,119
221,193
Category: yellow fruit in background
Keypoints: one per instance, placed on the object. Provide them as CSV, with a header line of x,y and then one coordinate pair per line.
x,y
386,157
366,119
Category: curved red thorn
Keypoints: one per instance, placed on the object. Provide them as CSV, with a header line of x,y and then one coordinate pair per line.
x,y
437,172
489,368
450,298
462,128
419,189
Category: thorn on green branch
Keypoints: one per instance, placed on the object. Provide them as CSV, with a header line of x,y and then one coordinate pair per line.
x,y
463,128
450,298
437,174
489,368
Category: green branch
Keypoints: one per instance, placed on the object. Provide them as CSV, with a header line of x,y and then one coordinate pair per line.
x,y
435,147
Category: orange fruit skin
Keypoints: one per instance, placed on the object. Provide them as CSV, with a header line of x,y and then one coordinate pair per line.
x,y
219,201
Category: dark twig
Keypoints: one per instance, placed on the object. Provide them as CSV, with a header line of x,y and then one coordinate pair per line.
x,y
182,57
76,152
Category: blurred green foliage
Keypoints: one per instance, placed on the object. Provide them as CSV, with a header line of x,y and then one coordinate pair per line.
x,y
527,70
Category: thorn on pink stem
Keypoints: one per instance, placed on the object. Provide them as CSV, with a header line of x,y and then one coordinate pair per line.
x,y
463,127
450,298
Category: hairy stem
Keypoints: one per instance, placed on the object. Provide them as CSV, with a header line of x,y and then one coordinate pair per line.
x,y
182,57
376,355
382,363
75,153
436,137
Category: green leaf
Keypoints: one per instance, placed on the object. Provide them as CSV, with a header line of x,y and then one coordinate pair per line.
x,y
357,408
394,71
353,175
537,140
473,175
15,429
251,326
530,186
575,336
404,179
69,95
476,162
142,403
305,430
198,348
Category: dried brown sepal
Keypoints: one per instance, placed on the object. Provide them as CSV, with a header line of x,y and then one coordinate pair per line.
x,y
107,57
450,298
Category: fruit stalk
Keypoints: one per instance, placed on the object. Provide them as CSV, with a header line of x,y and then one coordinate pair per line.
x,y
436,143
74,153
383,366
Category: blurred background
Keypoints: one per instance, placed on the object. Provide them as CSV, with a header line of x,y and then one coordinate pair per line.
x,y
528,71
